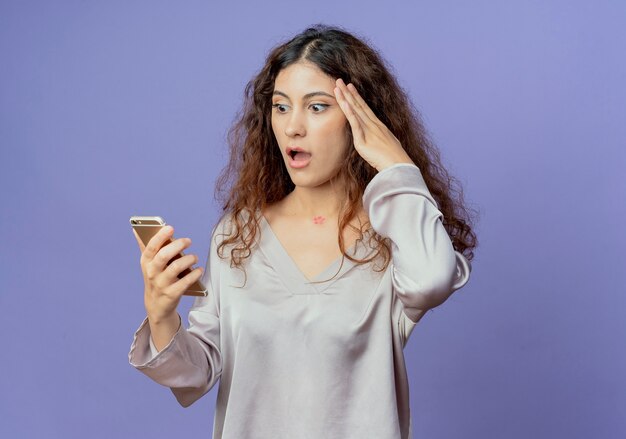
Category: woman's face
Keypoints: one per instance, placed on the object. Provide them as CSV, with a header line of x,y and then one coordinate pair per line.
x,y
314,123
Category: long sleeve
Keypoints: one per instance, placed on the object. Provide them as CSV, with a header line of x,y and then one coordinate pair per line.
x,y
426,269
191,363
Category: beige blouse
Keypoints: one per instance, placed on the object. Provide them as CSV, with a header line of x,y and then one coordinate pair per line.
x,y
301,360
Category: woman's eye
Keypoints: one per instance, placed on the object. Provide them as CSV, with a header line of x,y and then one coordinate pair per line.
x,y
277,106
322,106
319,105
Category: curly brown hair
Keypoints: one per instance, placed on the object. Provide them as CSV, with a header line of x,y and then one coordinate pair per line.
x,y
255,175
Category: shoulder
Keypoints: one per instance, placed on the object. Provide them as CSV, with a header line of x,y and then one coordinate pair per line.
x,y
226,225
222,228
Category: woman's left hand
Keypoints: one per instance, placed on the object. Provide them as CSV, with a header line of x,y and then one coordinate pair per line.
x,y
372,139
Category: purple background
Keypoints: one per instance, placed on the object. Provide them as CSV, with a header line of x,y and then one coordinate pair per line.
x,y
110,109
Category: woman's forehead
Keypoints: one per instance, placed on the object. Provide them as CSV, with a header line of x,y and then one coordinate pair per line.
x,y
299,79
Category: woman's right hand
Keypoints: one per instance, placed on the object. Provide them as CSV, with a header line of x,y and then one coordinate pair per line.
x,y
163,289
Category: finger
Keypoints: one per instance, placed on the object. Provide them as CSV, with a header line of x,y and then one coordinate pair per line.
x,y
142,247
157,241
355,121
178,266
171,250
366,108
348,110
182,285
347,93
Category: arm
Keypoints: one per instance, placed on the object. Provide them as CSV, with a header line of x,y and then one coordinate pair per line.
x,y
162,332
191,363
426,269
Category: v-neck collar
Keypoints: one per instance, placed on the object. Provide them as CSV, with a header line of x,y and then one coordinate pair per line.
x,y
291,274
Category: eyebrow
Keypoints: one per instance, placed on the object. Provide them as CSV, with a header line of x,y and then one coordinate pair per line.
x,y
306,96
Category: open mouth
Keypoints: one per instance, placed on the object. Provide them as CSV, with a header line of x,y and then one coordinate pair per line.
x,y
299,155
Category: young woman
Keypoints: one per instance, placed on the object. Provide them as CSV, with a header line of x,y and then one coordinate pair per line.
x,y
342,233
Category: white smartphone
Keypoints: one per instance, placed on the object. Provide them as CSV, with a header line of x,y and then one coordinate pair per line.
x,y
148,226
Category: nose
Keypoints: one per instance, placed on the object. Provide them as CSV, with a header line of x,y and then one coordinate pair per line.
x,y
295,125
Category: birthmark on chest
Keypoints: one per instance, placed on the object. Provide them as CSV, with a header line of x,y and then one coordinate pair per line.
x,y
318,219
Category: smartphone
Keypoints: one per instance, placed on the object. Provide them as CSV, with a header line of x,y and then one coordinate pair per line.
x,y
148,226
